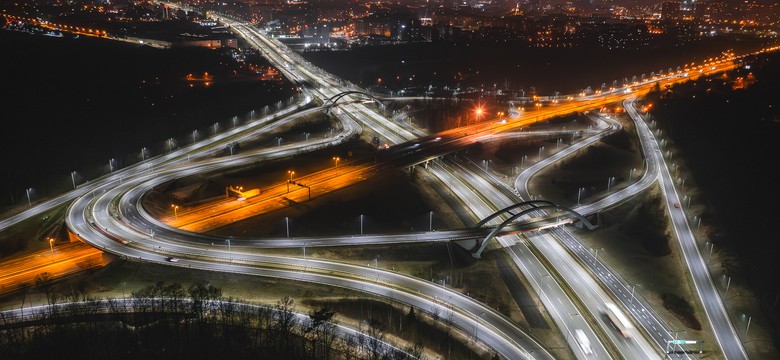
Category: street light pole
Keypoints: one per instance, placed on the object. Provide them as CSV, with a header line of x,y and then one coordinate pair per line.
x,y
28,196
479,322
728,284
632,294
361,224
51,245
73,179
430,221
287,223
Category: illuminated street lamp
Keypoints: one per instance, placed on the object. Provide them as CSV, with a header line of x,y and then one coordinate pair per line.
x,y
632,293
175,213
289,181
336,160
596,252
479,111
486,162
51,245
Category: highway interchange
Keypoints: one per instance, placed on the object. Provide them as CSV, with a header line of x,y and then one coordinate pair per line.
x,y
108,214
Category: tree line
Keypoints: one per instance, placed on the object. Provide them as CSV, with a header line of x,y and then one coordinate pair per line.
x,y
168,320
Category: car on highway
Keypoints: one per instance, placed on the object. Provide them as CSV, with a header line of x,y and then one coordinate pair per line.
x,y
172,259
583,341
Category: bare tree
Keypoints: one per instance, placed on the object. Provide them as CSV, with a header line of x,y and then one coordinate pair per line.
x,y
175,293
43,284
349,347
202,293
324,330
376,336
284,323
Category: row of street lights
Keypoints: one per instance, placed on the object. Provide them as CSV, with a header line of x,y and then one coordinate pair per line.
x,y
170,144
361,217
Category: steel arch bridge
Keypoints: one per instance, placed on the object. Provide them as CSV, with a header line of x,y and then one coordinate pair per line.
x,y
533,205
335,98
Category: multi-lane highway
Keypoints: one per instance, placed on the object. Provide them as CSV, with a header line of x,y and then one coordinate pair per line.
x,y
651,324
536,250
719,320
369,119
114,220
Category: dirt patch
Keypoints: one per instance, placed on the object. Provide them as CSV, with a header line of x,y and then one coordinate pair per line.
x,y
682,309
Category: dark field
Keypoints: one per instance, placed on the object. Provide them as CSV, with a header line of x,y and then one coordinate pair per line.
x,y
71,104
511,65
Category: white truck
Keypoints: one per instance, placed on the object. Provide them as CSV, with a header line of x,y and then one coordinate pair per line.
x,y
583,341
